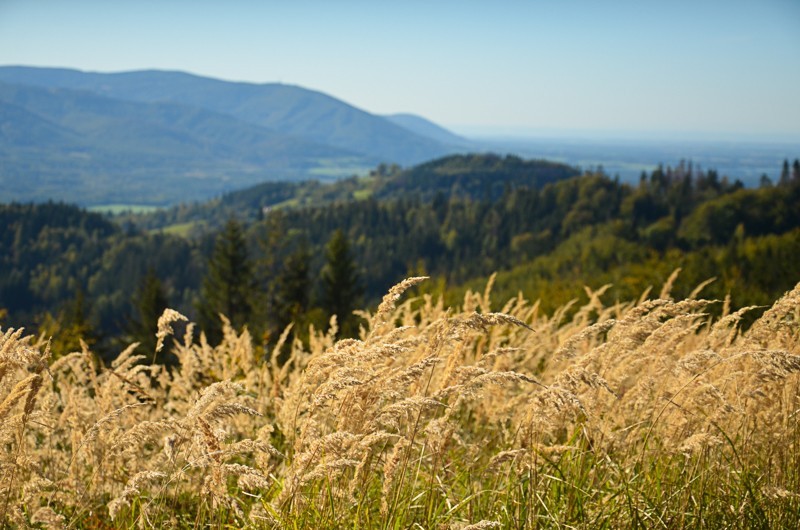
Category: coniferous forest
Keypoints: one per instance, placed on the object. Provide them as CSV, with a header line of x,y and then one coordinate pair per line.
x,y
302,252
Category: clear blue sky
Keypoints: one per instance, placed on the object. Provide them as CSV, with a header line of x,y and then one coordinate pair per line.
x,y
726,67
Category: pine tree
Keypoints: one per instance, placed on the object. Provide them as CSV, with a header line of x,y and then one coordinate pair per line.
x,y
228,285
292,288
341,290
784,180
291,302
271,244
149,303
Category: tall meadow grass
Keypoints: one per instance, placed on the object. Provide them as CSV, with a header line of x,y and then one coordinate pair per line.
x,y
649,413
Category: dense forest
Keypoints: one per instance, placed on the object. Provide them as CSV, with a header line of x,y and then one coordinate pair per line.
x,y
303,252
463,176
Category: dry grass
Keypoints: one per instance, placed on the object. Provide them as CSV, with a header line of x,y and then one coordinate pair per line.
x,y
648,413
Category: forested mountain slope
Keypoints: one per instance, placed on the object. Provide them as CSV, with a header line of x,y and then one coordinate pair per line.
x,y
91,149
286,109
546,240
474,176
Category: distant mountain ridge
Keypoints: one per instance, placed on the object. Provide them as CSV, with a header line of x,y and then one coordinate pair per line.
x,y
424,127
91,149
284,108
211,136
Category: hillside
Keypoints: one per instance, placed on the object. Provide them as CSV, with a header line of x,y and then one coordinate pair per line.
x,y
474,177
89,149
286,109
545,238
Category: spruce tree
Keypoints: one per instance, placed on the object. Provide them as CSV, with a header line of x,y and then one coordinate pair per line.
x,y
149,303
292,289
341,290
272,242
785,176
228,284
291,300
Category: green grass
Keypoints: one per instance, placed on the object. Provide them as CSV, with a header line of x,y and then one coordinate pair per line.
x,y
289,203
179,229
339,167
116,209
361,195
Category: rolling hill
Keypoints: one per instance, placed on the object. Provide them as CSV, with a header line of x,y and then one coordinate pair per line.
x,y
473,177
286,109
160,138
80,147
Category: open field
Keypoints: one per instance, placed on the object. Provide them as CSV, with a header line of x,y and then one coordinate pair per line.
x,y
179,229
332,168
114,209
647,413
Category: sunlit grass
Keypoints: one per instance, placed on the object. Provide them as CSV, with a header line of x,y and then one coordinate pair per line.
x,y
116,209
647,414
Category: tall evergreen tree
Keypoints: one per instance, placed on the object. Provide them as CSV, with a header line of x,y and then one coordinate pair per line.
x,y
341,289
292,288
291,302
271,244
228,284
785,176
149,302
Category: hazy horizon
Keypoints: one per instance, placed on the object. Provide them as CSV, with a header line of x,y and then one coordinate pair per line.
x,y
500,133
714,70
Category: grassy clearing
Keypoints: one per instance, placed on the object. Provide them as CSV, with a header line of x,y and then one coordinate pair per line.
x,y
178,229
643,414
289,203
116,209
338,168
361,195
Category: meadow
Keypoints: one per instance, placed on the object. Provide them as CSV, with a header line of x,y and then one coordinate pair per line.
x,y
650,413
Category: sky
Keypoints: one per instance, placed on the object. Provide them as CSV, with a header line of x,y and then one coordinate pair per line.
x,y
698,68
